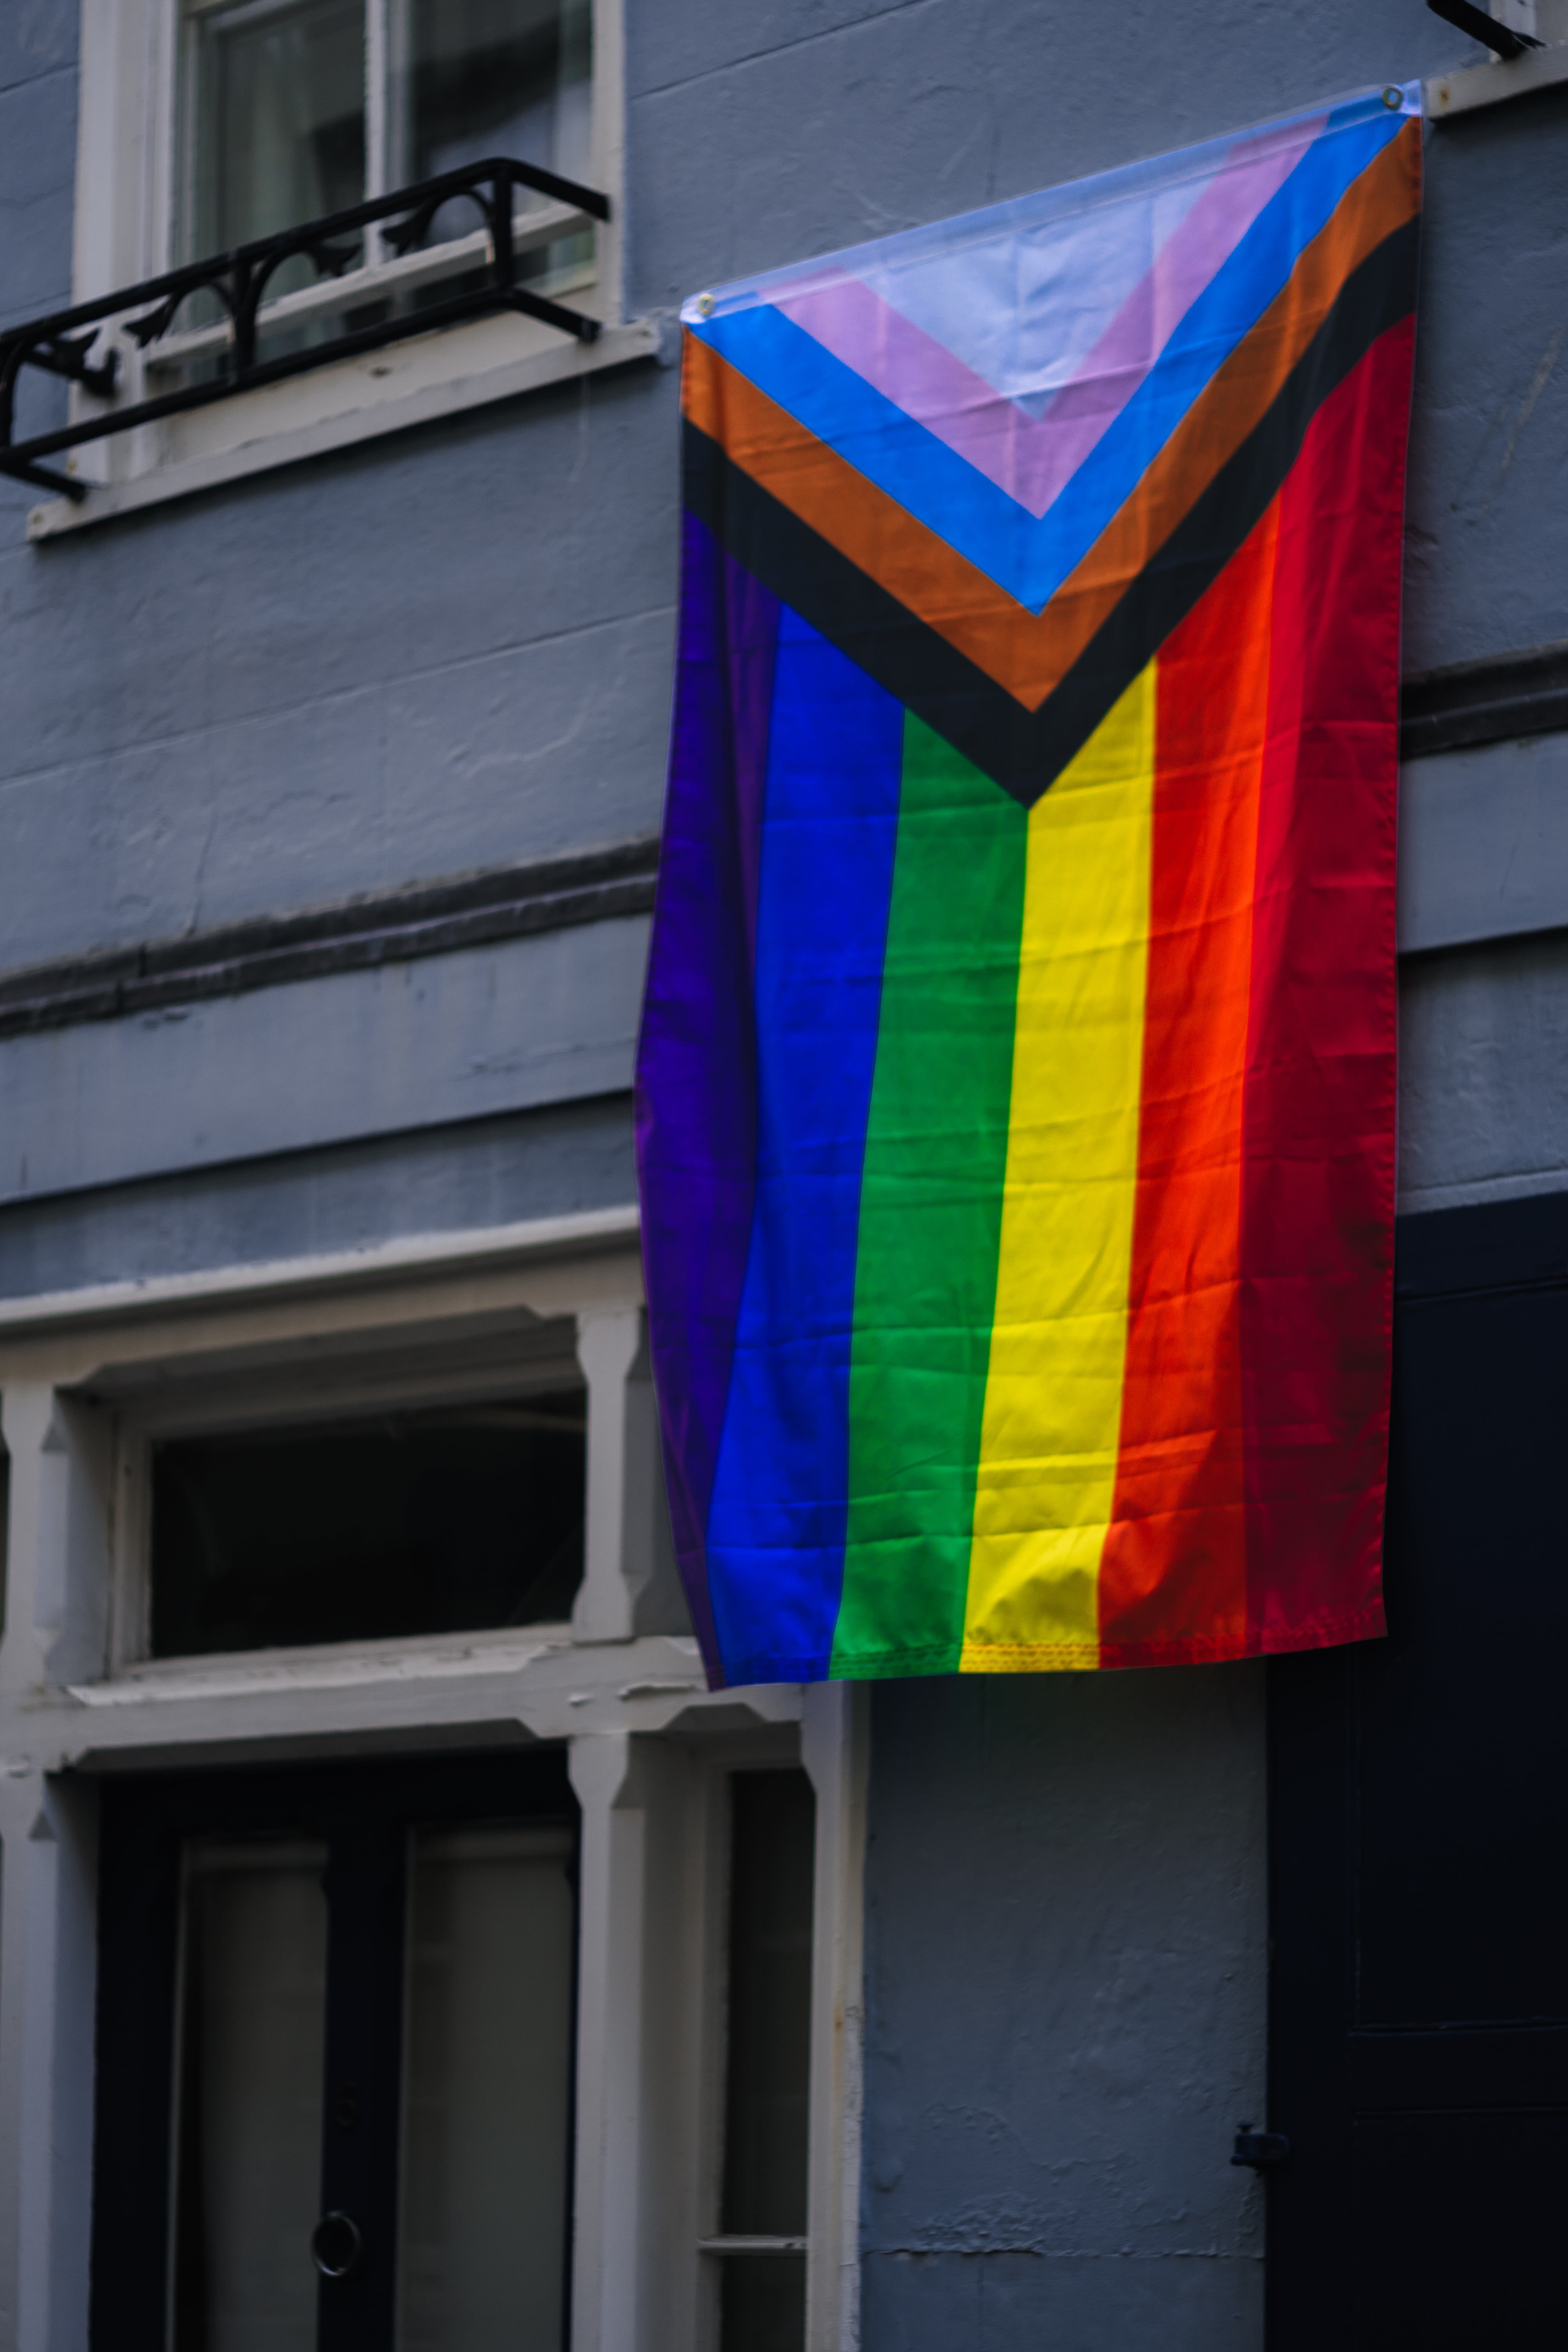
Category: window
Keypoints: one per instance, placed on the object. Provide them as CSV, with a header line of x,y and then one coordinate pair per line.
x,y
293,108
399,1972
203,123
425,1493
334,2103
435,1522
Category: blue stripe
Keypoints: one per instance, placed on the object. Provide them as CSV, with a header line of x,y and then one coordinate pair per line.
x,y
776,1520
1030,557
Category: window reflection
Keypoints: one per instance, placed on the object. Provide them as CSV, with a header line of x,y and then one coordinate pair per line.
x,y
248,2162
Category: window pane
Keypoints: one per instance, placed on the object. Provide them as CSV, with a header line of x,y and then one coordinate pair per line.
x,y
761,2303
774,1825
249,2152
487,2087
275,128
477,77
416,1523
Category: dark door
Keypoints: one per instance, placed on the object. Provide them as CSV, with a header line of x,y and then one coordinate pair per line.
x,y
334,2058
1419,1835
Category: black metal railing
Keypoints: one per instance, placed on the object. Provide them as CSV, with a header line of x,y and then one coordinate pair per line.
x,y
78,344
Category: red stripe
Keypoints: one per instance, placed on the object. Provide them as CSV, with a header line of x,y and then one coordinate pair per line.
x,y
1173,1580
1316,1229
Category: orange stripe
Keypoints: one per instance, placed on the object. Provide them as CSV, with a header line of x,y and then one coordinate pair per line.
x,y
1025,653
1174,1565
947,592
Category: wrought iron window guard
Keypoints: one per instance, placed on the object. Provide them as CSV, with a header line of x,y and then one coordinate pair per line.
x,y
78,343
1500,38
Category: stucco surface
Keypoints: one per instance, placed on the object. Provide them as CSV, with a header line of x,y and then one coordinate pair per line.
x,y
451,648
485,1172
407,1045
1483,843
1065,2012
1483,1092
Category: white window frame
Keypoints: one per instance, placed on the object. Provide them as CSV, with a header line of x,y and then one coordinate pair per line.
x,y
124,231
86,1379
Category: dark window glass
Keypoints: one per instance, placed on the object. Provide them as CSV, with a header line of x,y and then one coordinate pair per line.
x,y
761,2303
494,78
766,2106
278,96
479,78
432,1522
254,1982
487,2088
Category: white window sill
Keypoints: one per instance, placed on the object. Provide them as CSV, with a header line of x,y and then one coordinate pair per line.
x,y
337,406
532,1681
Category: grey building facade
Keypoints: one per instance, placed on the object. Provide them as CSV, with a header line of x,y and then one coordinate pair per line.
x,y
330,784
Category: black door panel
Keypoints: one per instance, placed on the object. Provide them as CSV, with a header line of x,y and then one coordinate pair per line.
x,y
150,2277
1457,2218
1418,1830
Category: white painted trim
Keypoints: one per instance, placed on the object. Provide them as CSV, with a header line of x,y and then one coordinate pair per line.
x,y
609,1342
606,2305
835,1747
47,1986
752,2245
643,339
484,1249
1468,86
608,159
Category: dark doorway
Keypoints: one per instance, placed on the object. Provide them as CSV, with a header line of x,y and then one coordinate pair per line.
x,y
334,2058
1419,1844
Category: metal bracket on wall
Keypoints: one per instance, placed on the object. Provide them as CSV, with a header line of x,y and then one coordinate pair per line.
x,y
80,344
1502,39
1260,2149
1519,64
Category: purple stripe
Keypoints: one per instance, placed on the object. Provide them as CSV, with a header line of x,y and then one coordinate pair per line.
x,y
697,1080
1032,459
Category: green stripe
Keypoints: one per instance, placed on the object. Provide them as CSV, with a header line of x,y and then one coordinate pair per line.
x,y
930,1212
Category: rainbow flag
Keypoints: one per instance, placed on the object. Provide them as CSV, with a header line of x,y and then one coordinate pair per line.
x,y
1017,1082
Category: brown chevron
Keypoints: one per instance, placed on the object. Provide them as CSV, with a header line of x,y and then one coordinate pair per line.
x,y
1028,655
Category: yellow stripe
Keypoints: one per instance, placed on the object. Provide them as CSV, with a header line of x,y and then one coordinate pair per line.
x,y
1059,1342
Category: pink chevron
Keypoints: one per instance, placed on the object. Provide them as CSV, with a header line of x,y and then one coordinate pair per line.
x,y
1033,458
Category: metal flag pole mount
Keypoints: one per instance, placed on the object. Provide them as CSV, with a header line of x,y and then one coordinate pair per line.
x,y
1502,39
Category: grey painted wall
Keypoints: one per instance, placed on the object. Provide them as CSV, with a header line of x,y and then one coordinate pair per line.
x,y
401,1046
1483,843
442,653
1066,1922
489,1171
1483,1094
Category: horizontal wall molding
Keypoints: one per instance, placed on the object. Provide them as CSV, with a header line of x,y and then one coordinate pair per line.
x,y
1471,703
480,1250
231,958
1503,697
